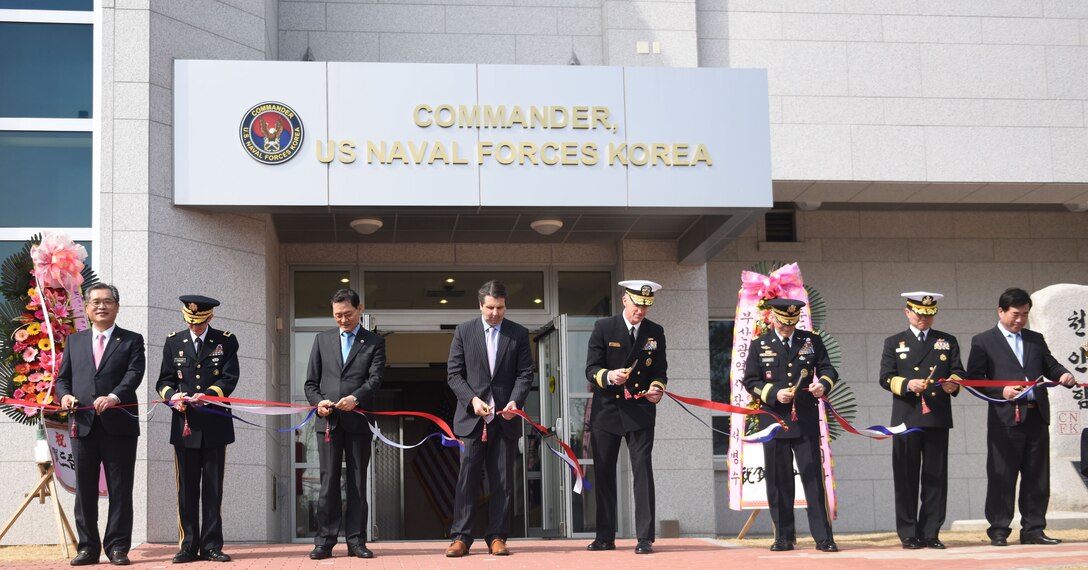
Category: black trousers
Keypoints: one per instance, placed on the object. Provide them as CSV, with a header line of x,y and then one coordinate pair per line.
x,y
778,456
200,497
1023,451
353,449
920,470
117,454
496,455
606,451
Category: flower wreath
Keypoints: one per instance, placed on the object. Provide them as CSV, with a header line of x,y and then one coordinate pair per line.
x,y
42,304
842,397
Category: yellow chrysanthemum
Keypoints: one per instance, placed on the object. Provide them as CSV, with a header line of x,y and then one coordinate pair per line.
x,y
20,379
44,344
34,328
44,398
32,292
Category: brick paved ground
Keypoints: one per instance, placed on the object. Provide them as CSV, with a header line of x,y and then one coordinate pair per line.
x,y
671,553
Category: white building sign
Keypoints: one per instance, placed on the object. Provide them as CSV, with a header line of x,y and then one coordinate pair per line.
x,y
253,133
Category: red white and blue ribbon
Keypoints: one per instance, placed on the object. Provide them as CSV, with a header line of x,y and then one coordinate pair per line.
x,y
877,432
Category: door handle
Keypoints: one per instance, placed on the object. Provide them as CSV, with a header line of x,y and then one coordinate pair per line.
x,y
559,428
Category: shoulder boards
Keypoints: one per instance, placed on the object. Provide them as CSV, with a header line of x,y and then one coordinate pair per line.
x,y
171,334
226,333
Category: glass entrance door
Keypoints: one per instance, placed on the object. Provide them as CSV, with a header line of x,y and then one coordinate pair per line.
x,y
553,481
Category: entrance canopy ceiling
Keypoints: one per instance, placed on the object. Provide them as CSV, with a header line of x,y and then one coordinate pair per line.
x,y
699,235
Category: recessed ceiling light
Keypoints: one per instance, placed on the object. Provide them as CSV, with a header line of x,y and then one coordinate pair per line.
x,y
538,301
345,280
450,280
443,301
366,226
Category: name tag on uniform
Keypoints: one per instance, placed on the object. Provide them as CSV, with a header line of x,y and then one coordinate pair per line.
x,y
180,360
614,344
903,349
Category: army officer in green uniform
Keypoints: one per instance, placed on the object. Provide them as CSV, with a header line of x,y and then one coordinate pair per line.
x,y
196,362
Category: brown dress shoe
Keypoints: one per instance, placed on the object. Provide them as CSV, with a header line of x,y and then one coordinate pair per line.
x,y
457,549
498,548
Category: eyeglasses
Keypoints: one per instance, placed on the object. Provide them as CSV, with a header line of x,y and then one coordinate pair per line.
x,y
102,303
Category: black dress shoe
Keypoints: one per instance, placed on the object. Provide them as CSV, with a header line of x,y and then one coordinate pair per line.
x,y
912,543
84,558
1041,539
320,553
999,541
215,555
184,556
644,547
827,546
782,545
933,543
360,551
119,558
601,545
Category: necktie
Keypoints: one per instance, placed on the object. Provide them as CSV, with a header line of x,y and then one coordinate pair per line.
x,y
921,336
197,345
99,349
786,341
349,337
633,336
1018,348
492,348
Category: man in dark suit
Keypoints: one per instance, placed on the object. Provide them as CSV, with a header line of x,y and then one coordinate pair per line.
x,y
910,365
788,370
626,366
102,367
196,362
1017,433
490,365
345,370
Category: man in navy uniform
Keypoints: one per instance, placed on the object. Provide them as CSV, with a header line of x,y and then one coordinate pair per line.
x,y
912,362
788,370
627,369
197,362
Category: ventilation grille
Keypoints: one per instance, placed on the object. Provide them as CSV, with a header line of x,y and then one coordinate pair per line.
x,y
780,226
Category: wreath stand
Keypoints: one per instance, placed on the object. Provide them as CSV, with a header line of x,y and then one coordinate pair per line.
x,y
743,531
47,488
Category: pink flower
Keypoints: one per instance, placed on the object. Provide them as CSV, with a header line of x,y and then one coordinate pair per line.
x,y
19,346
58,261
18,394
42,387
30,353
35,377
21,334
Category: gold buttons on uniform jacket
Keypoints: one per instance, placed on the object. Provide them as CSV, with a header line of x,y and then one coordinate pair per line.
x,y
790,374
198,366
790,365
617,397
916,368
198,377
198,387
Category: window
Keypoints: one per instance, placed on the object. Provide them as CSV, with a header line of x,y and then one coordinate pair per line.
x,y
47,70
721,353
448,290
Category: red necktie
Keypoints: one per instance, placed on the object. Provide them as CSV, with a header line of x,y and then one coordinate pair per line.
x,y
99,348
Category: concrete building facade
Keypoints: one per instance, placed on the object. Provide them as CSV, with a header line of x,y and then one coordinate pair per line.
x,y
920,144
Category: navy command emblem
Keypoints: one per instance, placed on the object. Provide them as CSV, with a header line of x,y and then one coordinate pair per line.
x,y
271,132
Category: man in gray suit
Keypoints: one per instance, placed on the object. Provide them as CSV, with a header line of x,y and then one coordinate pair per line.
x,y
345,369
102,367
490,365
